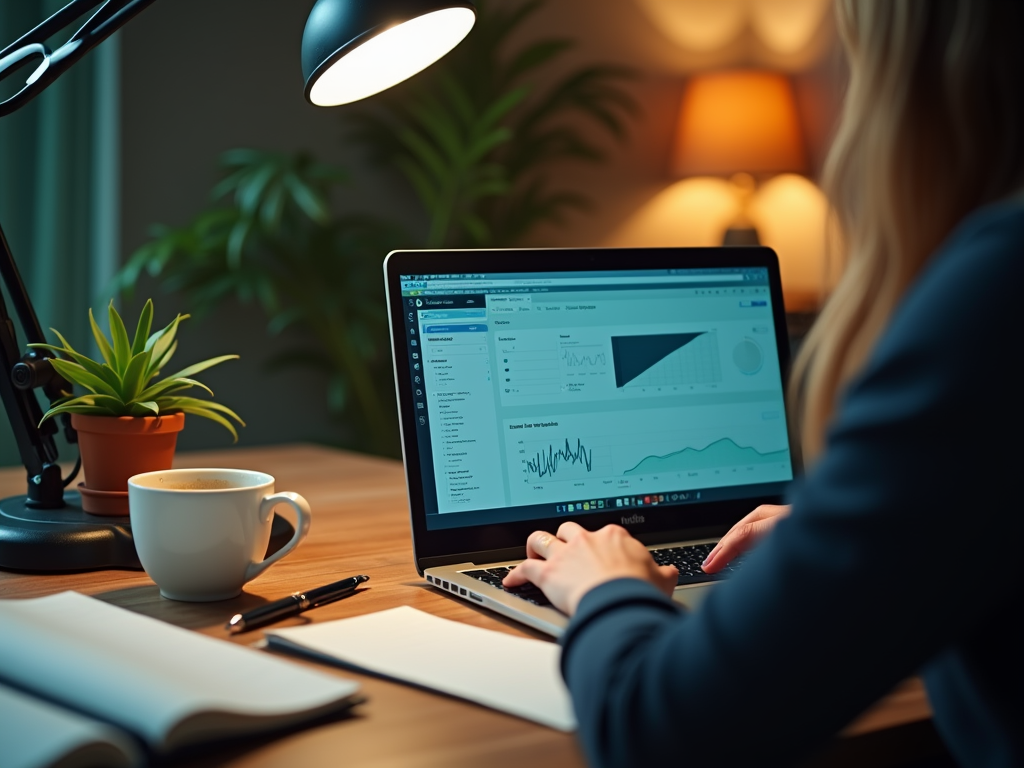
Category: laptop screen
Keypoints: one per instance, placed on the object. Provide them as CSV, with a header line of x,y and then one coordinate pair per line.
x,y
541,394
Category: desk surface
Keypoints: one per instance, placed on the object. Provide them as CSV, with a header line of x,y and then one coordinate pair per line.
x,y
360,525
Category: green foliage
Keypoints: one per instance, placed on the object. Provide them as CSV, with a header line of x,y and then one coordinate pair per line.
x,y
123,384
272,239
478,142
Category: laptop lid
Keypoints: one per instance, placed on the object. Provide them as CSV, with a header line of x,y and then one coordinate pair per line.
x,y
642,387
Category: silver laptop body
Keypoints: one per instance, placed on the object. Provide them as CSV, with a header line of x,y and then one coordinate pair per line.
x,y
642,387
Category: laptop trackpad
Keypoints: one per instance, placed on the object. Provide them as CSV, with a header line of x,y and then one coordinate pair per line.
x,y
691,597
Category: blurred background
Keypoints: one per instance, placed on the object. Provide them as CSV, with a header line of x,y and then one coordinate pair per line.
x,y
180,162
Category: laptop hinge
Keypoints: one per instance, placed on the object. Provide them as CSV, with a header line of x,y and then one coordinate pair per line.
x,y
518,553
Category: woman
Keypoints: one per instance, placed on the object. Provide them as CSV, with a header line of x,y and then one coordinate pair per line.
x,y
900,555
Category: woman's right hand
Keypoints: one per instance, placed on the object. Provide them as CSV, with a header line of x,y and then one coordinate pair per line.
x,y
744,535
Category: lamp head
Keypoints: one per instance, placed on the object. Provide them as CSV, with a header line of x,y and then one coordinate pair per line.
x,y
739,121
352,49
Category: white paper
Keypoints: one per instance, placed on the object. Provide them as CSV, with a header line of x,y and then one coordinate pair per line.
x,y
512,674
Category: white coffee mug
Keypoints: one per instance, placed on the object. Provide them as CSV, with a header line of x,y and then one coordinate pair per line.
x,y
201,534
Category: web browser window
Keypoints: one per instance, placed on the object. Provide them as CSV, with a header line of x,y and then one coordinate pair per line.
x,y
568,393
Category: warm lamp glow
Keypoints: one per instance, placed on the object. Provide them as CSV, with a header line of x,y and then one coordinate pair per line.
x,y
392,56
784,27
741,121
790,213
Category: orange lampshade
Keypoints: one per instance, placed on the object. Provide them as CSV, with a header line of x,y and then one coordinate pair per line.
x,y
741,121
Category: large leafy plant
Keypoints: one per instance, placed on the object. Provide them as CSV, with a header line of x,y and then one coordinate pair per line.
x,y
479,139
271,238
124,384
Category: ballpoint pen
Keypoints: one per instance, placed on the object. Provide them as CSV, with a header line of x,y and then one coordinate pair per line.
x,y
293,604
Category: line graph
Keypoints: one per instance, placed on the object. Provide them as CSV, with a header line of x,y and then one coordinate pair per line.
x,y
584,357
546,463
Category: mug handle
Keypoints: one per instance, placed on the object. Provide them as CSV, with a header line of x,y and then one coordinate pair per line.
x,y
301,507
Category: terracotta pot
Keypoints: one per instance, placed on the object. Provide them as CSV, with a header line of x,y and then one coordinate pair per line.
x,y
115,448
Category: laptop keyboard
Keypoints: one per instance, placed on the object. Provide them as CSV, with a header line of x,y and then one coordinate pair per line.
x,y
493,576
686,559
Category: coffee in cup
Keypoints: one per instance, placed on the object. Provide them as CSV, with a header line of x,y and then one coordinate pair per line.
x,y
201,534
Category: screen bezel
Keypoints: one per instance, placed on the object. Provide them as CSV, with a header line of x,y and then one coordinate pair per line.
x,y
435,547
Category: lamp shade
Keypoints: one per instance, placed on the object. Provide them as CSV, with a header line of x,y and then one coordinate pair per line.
x,y
741,121
352,49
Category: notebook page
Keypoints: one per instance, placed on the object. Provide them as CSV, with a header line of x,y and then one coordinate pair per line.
x,y
35,733
148,676
512,674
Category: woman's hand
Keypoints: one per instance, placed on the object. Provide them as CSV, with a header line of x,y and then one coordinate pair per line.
x,y
744,535
568,565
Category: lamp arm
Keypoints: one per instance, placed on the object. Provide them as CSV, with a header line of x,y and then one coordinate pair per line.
x,y
19,376
34,440
111,16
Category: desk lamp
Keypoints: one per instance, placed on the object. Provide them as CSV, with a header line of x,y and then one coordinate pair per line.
x,y
351,49
740,124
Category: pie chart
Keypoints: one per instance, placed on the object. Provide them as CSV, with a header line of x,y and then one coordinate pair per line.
x,y
748,357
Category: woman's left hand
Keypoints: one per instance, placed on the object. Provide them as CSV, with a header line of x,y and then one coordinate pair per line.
x,y
567,565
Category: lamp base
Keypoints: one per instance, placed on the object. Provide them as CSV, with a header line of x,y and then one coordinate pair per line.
x,y
741,236
70,539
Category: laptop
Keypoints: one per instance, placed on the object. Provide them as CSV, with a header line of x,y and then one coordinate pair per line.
x,y
642,387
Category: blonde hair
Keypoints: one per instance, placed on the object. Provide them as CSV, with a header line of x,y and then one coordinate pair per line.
x,y
932,127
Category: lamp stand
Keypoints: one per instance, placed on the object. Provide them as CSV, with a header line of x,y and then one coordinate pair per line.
x,y
742,231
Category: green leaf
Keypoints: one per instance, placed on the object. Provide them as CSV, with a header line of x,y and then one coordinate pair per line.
x,y
208,414
76,374
101,341
236,242
149,408
195,402
204,408
162,344
167,386
142,331
105,372
88,410
119,334
251,189
307,199
135,376
155,366
193,369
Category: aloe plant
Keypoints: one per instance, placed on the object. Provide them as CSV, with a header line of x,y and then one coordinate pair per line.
x,y
125,384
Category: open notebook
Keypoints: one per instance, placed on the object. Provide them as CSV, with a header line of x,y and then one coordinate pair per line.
x,y
83,683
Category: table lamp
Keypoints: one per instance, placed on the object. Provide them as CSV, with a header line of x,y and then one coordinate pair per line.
x,y
740,124
351,49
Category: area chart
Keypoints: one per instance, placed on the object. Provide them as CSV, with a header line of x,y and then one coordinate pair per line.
x,y
721,453
637,359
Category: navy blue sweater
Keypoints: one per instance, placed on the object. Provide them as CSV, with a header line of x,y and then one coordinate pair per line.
x,y
901,557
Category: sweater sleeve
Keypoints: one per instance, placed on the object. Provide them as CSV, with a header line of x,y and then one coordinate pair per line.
x,y
878,568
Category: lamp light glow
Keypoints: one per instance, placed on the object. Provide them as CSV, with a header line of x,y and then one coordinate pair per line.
x,y
376,61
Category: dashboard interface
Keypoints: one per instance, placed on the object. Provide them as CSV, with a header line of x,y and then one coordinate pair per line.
x,y
563,393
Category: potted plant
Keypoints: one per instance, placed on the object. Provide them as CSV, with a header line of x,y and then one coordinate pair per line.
x,y
128,422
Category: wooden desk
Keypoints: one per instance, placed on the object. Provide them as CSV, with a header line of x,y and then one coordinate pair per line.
x,y
360,525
